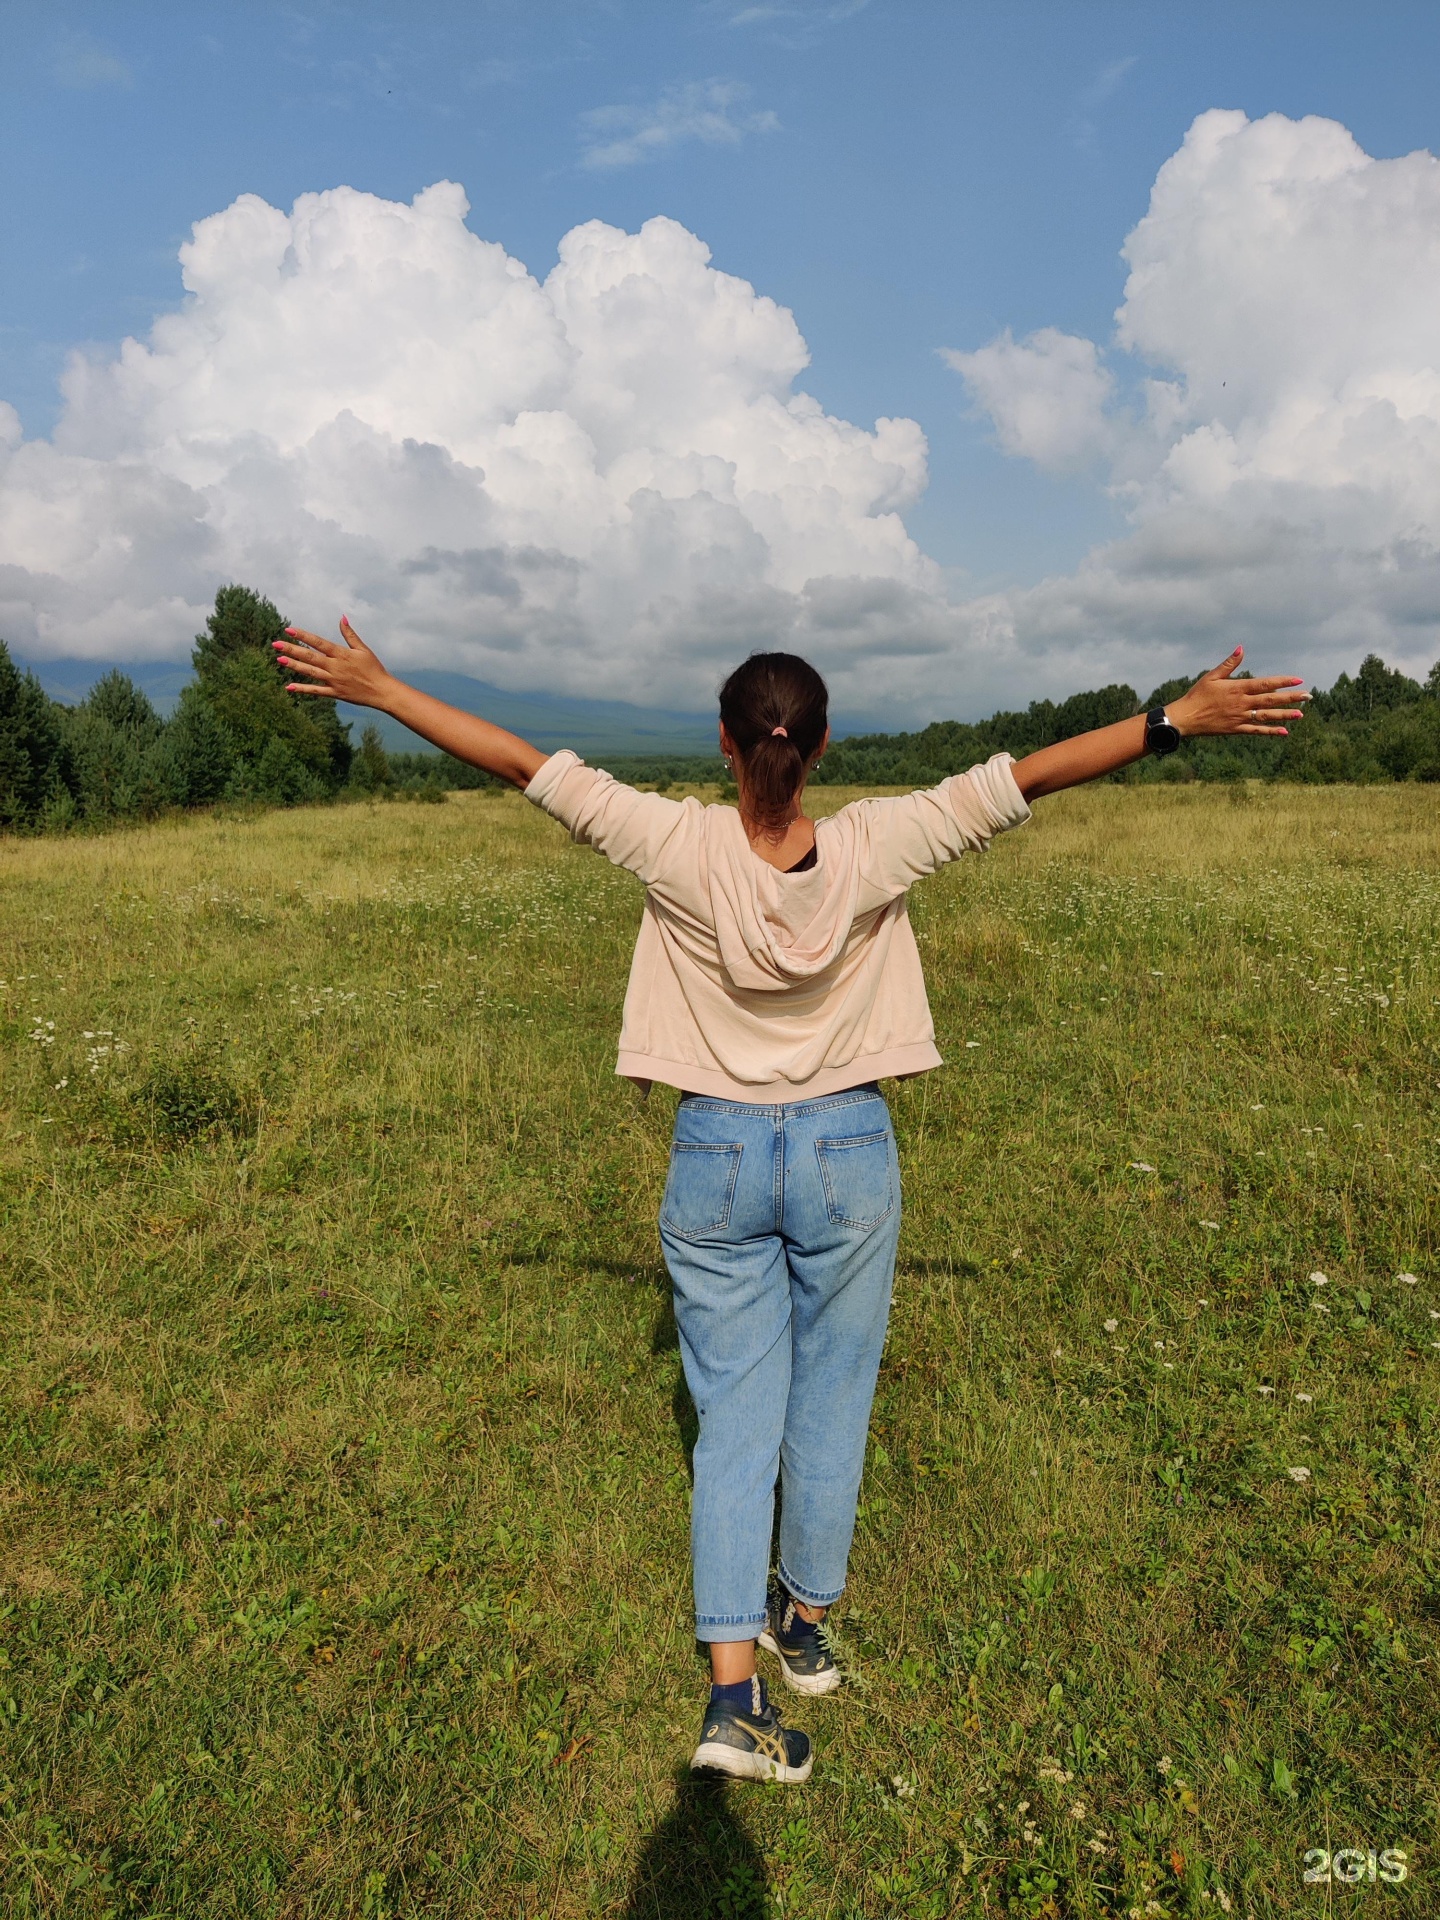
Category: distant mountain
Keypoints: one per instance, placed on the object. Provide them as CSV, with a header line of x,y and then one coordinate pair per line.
x,y
550,720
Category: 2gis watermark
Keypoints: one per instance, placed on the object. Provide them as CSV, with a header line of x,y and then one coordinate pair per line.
x,y
1356,1866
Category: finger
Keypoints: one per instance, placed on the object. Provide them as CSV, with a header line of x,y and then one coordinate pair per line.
x,y
305,639
1226,667
1275,683
350,633
325,693
1282,732
318,667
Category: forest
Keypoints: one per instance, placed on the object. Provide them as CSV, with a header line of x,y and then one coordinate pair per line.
x,y
237,736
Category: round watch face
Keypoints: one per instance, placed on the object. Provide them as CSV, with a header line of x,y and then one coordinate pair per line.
x,y
1161,736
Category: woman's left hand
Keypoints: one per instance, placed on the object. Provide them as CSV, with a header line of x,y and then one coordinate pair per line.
x,y
1218,703
351,672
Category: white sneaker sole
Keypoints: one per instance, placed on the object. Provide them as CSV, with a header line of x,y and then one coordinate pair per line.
x,y
811,1683
715,1758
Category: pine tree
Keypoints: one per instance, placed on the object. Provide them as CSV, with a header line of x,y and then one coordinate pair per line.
x,y
285,746
370,770
35,766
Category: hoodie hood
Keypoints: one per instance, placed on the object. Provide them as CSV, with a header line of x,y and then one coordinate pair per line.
x,y
775,930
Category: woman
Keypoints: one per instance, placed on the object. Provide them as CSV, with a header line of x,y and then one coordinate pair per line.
x,y
775,982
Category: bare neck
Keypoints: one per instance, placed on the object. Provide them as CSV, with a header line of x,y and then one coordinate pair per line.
x,y
781,850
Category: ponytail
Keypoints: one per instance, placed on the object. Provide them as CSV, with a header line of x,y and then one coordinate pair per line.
x,y
774,707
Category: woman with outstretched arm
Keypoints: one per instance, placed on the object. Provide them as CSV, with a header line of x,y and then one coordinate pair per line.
x,y
775,983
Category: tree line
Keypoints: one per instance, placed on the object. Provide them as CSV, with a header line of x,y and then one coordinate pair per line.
x,y
1379,725
237,735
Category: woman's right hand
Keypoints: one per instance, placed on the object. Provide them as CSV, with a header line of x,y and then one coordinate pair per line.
x,y
351,672
1219,703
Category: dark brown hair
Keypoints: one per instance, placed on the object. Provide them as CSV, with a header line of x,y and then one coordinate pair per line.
x,y
773,690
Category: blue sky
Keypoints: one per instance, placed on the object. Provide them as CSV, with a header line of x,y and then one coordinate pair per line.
x,y
904,177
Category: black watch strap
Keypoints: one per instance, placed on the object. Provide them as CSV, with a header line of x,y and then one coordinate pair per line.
x,y
1162,736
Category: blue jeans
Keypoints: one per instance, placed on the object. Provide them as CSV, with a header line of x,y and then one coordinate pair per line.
x,y
779,1226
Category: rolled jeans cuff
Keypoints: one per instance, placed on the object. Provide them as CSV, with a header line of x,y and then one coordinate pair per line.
x,y
719,1631
798,1591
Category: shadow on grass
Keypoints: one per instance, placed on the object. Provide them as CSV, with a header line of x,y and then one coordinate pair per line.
x,y
700,1861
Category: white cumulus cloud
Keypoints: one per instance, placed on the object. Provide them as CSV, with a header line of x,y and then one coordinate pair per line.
x,y
607,482
1280,458
1047,395
612,481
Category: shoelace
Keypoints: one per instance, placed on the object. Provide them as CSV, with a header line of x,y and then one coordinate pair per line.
x,y
809,1629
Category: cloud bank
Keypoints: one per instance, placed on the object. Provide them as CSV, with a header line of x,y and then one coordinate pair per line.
x,y
1278,454
610,482
606,483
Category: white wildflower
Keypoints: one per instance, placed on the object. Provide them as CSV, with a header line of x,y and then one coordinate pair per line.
x,y
1163,1764
1319,1280
1212,1226
1141,1166
1298,1474
1113,1326
1408,1279
1267,1391
1306,1397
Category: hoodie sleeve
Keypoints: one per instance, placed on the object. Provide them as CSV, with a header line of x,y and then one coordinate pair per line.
x,y
903,840
638,831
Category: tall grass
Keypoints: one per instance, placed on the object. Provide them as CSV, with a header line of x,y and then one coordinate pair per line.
x,y
343,1444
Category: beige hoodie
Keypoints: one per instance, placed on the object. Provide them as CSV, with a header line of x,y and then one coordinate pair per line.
x,y
757,985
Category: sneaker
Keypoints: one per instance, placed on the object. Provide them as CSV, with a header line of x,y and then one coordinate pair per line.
x,y
752,1746
802,1646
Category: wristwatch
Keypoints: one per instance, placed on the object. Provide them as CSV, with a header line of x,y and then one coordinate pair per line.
x,y
1162,736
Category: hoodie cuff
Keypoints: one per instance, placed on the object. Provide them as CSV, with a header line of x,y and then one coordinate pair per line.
x,y
995,783
548,777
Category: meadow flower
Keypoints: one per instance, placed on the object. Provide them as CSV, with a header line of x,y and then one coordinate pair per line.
x,y
1320,1306
1319,1280
1163,1764
1298,1474
1211,1226
1306,1397
1408,1279
1141,1166
1265,1390
972,1043
1257,1106
904,1788
1113,1326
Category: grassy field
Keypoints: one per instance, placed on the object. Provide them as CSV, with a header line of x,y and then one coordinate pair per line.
x,y
343,1445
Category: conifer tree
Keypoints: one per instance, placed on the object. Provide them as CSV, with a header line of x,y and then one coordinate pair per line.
x,y
35,765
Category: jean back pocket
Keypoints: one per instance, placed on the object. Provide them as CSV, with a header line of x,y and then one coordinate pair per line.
x,y
700,1190
859,1184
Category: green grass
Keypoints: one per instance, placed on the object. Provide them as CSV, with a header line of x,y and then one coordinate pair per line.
x,y
343,1470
